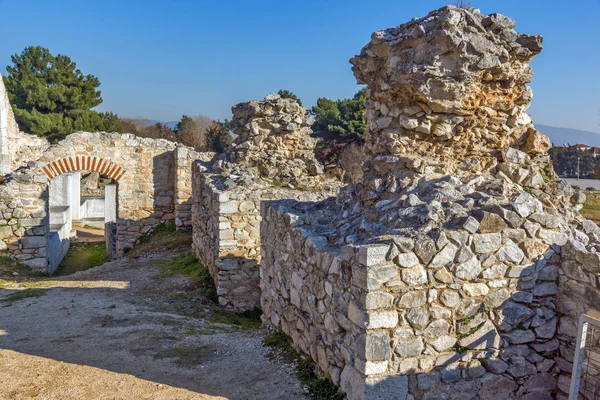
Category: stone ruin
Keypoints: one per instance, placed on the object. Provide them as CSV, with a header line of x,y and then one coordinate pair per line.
x,y
458,267
40,189
272,158
274,135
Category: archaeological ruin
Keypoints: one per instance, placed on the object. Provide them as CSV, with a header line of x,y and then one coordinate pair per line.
x,y
456,269
41,197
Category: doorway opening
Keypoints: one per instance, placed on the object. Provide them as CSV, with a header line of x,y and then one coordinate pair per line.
x,y
83,216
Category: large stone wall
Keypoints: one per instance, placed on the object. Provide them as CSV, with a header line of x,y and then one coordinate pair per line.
x,y
154,178
454,246
151,173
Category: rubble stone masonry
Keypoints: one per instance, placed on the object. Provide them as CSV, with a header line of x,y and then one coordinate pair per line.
x,y
458,267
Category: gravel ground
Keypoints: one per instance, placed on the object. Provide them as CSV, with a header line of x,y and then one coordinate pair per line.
x,y
111,333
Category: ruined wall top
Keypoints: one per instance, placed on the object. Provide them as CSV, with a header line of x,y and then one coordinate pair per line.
x,y
274,135
448,91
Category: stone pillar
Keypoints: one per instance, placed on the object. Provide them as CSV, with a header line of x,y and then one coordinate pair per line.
x,y
75,202
110,220
446,93
110,203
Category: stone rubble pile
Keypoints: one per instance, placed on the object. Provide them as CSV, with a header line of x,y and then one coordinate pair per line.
x,y
458,267
274,135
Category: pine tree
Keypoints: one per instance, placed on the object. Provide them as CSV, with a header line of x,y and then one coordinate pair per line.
x,y
51,97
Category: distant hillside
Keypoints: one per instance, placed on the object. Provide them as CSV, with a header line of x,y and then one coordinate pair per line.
x,y
561,136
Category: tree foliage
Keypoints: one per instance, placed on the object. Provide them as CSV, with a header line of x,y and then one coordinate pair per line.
x,y
286,94
218,136
341,120
564,160
52,97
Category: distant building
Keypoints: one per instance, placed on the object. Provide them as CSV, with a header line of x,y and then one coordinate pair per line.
x,y
584,147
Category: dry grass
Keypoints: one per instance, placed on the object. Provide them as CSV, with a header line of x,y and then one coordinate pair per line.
x,y
591,208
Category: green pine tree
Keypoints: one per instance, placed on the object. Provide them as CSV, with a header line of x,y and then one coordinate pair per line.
x,y
341,120
51,97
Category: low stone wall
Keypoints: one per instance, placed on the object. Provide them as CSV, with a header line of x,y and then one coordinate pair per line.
x,y
462,311
24,223
24,147
226,225
307,290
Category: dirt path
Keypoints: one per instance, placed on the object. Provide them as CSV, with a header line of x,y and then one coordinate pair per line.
x,y
111,333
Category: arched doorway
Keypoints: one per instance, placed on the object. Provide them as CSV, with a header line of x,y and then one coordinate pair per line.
x,y
76,211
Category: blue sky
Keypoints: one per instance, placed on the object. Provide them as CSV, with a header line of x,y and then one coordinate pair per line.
x,y
161,59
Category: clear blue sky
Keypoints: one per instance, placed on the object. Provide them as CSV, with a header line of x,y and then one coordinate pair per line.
x,y
161,59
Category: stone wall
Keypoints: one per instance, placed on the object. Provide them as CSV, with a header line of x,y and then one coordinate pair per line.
x,y
578,294
184,159
16,147
272,158
275,136
307,290
24,147
154,178
450,248
226,226
24,224
149,173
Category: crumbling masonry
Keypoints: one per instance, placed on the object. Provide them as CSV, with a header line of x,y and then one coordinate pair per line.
x,y
459,265
457,268
272,158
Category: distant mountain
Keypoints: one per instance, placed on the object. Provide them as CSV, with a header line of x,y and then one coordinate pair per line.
x,y
562,136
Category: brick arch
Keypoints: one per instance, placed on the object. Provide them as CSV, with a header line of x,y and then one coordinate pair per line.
x,y
79,163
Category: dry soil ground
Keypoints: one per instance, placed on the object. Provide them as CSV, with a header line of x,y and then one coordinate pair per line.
x,y
123,330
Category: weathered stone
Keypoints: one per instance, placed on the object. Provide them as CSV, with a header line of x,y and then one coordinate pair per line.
x,y
408,260
519,367
511,314
377,300
377,347
413,299
510,252
468,270
409,347
519,336
497,366
443,343
485,337
414,276
491,223
449,298
476,289
418,317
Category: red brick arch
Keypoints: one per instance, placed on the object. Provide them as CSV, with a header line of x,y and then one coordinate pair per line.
x,y
83,163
